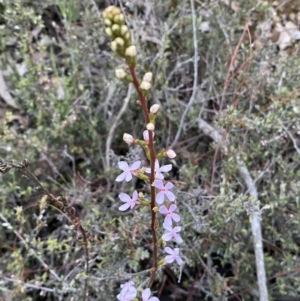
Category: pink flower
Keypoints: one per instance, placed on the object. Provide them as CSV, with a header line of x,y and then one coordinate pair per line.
x,y
174,255
146,136
127,294
129,202
127,284
127,171
164,191
172,233
158,170
169,214
146,294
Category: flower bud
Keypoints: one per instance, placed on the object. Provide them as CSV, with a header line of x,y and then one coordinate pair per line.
x,y
119,41
120,73
127,36
108,12
116,10
170,153
108,31
107,22
131,51
115,29
119,19
128,138
145,85
124,29
150,127
154,108
155,209
148,77
113,46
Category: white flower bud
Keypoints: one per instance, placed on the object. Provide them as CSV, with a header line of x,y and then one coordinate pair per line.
x,y
128,138
170,153
154,108
148,77
131,51
150,127
120,73
145,85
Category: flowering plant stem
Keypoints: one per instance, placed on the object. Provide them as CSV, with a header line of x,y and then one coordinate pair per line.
x,y
143,103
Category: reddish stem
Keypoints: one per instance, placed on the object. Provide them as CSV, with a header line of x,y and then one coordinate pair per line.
x,y
143,104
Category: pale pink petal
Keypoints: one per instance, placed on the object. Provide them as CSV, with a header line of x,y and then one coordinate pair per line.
x,y
179,260
167,236
169,186
163,209
124,207
168,220
169,258
135,195
165,168
121,177
160,197
136,165
170,195
172,208
128,176
178,238
159,184
175,217
124,197
146,294
169,250
123,165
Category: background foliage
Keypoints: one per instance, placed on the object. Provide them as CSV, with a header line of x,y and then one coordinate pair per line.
x,y
59,101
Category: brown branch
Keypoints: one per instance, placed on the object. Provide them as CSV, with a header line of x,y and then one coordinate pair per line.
x,y
143,103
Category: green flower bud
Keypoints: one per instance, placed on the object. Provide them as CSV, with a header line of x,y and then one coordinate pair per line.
x,y
108,31
127,36
107,22
124,30
116,29
119,19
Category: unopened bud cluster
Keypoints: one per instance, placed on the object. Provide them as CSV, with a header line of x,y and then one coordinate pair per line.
x,y
119,33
